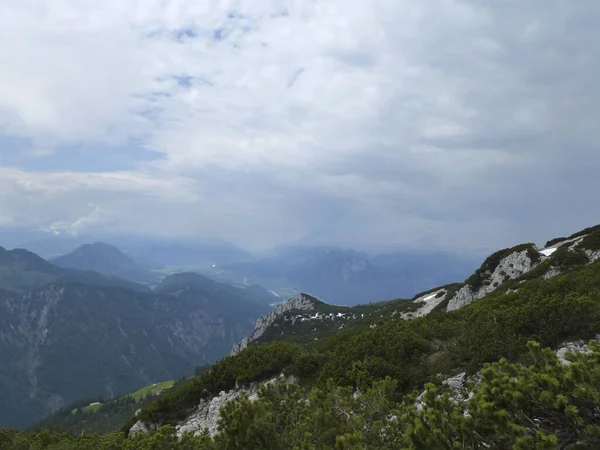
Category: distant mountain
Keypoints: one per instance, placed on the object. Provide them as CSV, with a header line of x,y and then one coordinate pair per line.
x,y
22,270
66,334
50,246
160,254
349,277
105,259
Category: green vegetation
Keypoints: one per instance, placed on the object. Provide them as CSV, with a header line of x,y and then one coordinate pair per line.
x,y
152,389
555,241
253,364
122,339
585,231
412,352
299,327
102,416
591,241
526,399
541,405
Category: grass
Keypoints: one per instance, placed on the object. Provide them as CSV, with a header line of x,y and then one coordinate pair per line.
x,y
92,408
151,389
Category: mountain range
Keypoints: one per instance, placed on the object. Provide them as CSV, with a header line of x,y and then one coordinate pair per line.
x,y
311,372
348,277
113,335
105,259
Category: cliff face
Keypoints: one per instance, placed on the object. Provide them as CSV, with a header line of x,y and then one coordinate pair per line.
x,y
510,267
66,342
300,303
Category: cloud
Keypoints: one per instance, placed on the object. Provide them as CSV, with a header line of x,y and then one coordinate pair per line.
x,y
445,123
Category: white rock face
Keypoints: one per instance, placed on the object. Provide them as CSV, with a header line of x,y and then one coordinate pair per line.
x,y
462,298
142,427
206,415
571,347
593,255
428,303
552,272
510,267
459,387
301,303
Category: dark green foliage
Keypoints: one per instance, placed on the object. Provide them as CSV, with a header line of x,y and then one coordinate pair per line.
x,y
541,405
566,259
253,364
163,439
452,289
477,280
554,241
414,351
585,231
591,241
108,340
534,255
290,328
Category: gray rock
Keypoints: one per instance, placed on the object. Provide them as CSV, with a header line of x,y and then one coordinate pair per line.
x,y
571,347
206,416
510,267
142,427
301,303
593,255
427,302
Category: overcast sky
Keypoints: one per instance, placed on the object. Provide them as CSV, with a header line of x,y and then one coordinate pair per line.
x,y
453,125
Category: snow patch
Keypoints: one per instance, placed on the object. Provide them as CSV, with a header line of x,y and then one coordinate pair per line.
x,y
548,251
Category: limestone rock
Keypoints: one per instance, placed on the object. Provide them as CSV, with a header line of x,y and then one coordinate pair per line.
x,y
301,303
510,267
206,415
142,427
571,347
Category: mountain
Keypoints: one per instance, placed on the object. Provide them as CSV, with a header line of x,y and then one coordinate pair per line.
x,y
105,259
51,246
519,294
22,270
160,254
67,334
348,277
506,359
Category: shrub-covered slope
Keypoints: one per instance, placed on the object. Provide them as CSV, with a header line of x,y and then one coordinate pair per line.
x,y
357,381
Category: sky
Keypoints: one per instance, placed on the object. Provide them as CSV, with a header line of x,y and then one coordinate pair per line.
x,y
446,124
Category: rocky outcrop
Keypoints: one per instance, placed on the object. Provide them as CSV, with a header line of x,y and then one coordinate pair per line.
x,y
206,415
142,427
427,303
510,267
301,303
594,255
571,347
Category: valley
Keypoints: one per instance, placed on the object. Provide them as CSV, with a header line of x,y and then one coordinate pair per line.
x,y
305,348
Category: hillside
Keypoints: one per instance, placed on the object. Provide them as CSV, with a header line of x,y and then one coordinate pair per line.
x,y
67,335
105,259
531,303
374,360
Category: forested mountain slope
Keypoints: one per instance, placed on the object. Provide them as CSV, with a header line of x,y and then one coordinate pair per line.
x,y
357,386
66,335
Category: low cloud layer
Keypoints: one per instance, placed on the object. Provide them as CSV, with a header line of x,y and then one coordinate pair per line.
x,y
445,124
